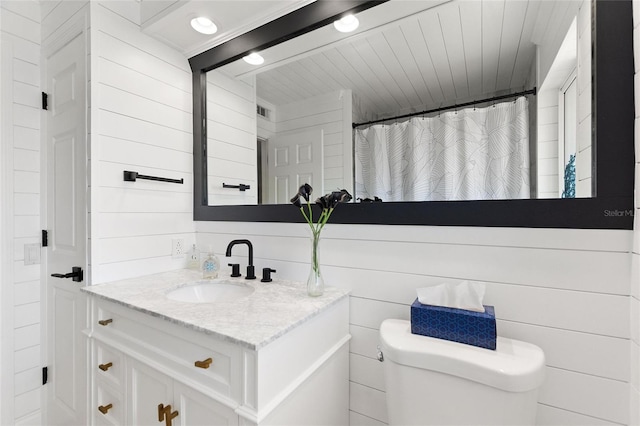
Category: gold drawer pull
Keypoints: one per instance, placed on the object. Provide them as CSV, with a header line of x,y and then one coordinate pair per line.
x,y
105,367
204,364
164,413
104,408
105,322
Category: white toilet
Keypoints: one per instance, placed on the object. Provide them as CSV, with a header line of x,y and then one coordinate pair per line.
x,y
431,381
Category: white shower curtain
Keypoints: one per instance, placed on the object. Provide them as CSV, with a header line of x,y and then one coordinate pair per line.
x,y
471,154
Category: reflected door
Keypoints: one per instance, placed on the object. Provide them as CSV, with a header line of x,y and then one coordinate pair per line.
x,y
295,158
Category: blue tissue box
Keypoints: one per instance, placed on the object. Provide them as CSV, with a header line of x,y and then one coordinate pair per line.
x,y
458,325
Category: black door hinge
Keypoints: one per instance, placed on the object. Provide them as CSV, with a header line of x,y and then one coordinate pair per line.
x,y
45,374
45,238
45,98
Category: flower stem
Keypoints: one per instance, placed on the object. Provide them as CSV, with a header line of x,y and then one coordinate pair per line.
x,y
314,254
305,216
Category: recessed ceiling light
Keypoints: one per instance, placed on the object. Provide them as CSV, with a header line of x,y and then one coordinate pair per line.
x,y
254,59
204,25
346,24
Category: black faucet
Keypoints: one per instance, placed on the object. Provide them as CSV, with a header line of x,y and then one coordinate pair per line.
x,y
251,273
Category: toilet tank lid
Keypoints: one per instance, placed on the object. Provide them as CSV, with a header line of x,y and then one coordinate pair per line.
x,y
514,366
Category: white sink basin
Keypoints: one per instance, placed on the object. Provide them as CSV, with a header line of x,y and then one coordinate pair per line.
x,y
210,291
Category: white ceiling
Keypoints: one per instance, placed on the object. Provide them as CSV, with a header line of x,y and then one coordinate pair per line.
x,y
169,20
415,55
406,56
458,51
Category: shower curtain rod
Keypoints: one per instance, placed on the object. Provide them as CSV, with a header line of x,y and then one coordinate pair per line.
x,y
496,98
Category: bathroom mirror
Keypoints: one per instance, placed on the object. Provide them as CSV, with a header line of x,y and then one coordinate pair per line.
x,y
606,202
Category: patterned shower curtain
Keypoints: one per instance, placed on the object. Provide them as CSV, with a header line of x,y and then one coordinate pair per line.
x,y
470,154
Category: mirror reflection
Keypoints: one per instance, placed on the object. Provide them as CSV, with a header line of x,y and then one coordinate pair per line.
x,y
415,104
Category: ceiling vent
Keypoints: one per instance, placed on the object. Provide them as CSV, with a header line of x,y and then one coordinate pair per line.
x,y
263,112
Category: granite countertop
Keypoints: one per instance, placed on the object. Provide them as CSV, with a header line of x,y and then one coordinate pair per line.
x,y
253,321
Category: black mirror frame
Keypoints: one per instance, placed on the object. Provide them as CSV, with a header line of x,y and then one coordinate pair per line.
x,y
612,206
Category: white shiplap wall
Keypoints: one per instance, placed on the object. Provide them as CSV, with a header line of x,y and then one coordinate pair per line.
x,y
564,290
231,139
634,387
140,121
548,163
20,301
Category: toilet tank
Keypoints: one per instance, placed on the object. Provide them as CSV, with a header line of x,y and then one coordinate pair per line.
x,y
431,381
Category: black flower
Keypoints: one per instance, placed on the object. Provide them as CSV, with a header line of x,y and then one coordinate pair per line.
x,y
296,201
327,202
331,200
345,197
304,192
324,201
369,200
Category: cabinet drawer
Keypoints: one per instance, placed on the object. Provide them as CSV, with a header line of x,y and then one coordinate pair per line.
x,y
108,364
206,365
104,316
109,403
173,349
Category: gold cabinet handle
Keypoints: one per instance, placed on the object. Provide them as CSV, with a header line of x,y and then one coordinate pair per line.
x,y
105,322
171,416
204,364
164,413
105,367
161,411
104,408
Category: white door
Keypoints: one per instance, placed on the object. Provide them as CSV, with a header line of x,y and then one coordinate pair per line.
x,y
295,158
66,187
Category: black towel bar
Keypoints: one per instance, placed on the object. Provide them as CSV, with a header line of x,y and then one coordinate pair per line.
x,y
132,176
241,186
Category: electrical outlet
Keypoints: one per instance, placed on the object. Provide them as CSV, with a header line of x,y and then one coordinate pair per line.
x,y
177,248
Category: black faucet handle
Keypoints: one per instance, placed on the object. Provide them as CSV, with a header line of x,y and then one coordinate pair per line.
x,y
266,275
251,273
235,269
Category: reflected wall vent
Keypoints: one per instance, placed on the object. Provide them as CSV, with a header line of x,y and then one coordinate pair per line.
x,y
263,112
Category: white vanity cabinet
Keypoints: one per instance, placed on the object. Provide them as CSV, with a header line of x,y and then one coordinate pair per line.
x,y
148,369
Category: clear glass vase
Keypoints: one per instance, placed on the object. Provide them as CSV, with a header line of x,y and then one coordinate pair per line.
x,y
315,283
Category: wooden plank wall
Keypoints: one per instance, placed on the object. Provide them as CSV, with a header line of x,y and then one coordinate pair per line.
x,y
231,139
564,290
20,294
548,162
140,121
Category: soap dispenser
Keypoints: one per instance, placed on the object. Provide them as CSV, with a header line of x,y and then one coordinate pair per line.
x,y
194,259
210,266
